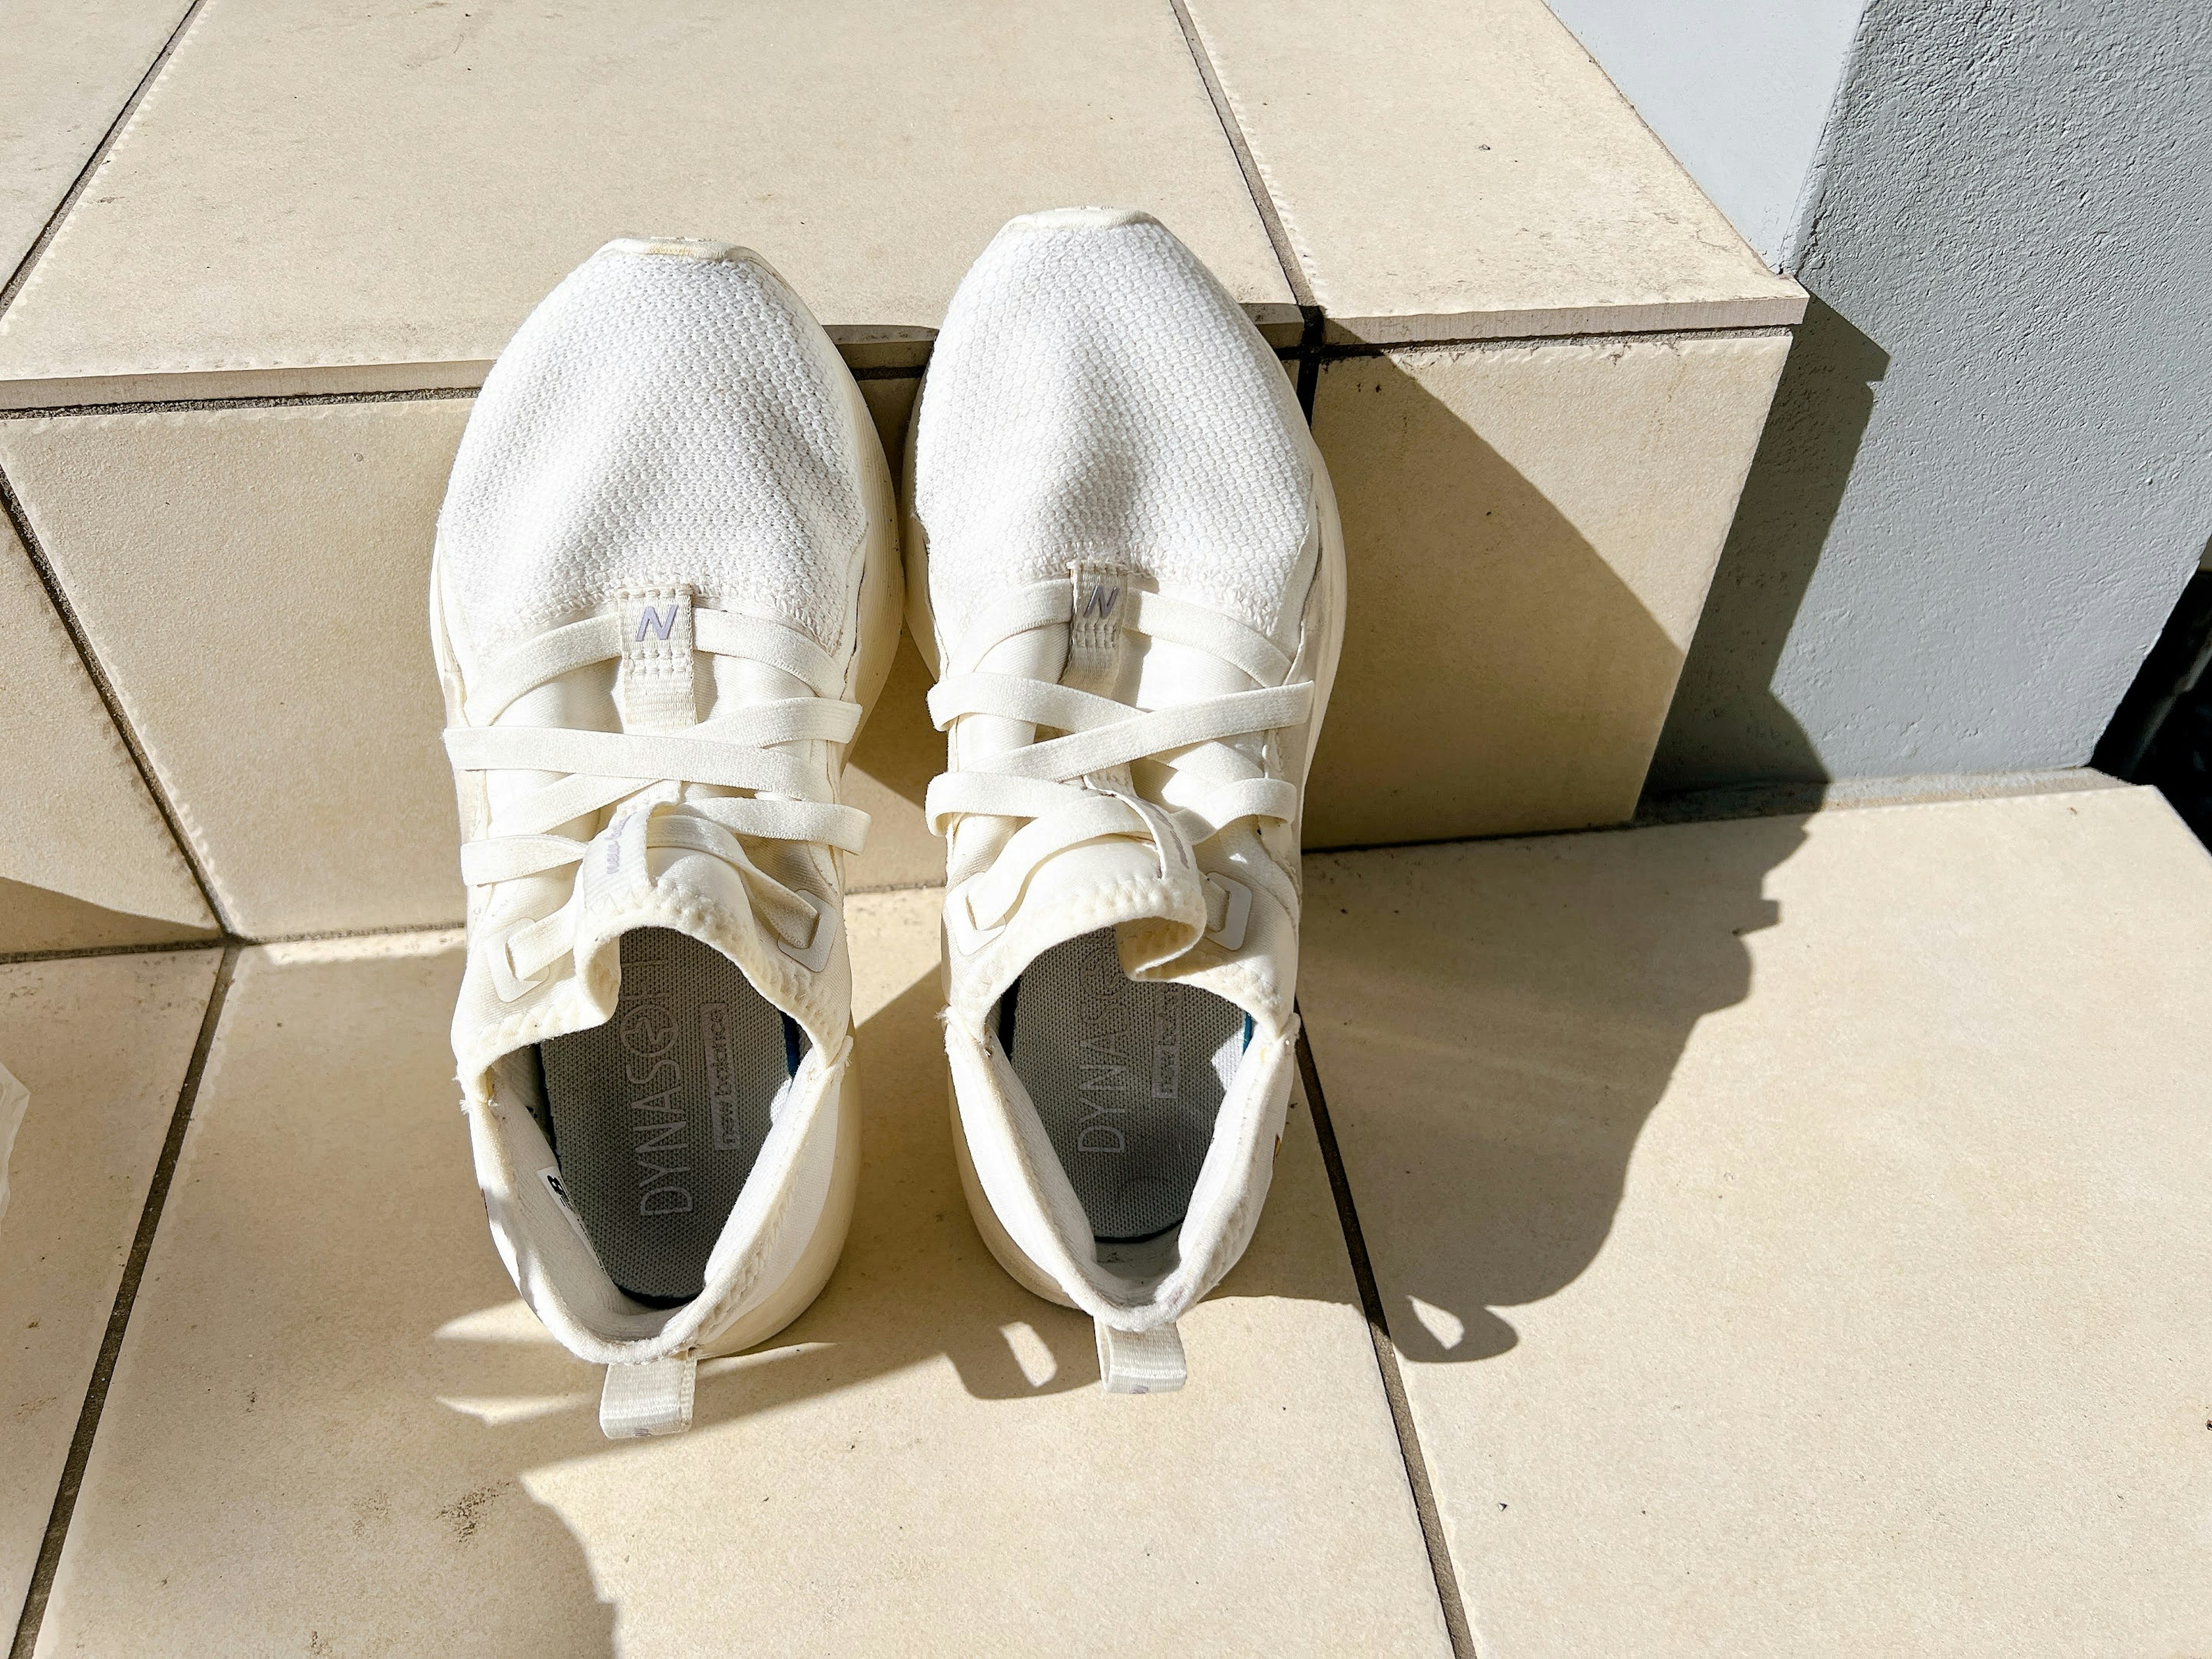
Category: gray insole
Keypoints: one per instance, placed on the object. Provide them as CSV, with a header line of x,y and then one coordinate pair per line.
x,y
1127,1075
657,1116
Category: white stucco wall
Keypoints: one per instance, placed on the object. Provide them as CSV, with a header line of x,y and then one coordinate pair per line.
x,y
1988,473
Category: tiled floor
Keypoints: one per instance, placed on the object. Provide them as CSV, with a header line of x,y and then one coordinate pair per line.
x,y
1791,1233
1794,1231
102,1044
70,68
335,1424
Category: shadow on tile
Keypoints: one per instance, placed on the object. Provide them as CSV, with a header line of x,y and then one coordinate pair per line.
x,y
914,1283
1530,531
848,1457
35,919
334,1424
1493,1025
1727,725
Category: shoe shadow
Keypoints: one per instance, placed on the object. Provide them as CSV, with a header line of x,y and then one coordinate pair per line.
x,y
917,1323
1494,1025
913,1286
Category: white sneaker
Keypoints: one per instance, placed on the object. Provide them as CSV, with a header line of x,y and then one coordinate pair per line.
x,y
666,592
1119,530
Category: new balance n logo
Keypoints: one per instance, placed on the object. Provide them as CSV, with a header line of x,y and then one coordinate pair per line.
x,y
660,623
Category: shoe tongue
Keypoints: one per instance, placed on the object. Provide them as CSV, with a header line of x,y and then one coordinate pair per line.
x,y
1150,891
1115,884
622,886
692,895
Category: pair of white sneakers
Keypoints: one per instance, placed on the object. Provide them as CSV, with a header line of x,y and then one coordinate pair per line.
x,y
667,592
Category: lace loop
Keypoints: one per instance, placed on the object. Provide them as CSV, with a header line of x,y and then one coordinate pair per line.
x,y
1075,787
642,775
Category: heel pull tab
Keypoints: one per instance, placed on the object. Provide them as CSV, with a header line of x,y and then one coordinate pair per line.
x,y
654,1398
1140,1362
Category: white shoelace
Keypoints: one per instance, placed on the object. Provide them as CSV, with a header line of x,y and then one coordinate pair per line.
x,y
644,772
1076,787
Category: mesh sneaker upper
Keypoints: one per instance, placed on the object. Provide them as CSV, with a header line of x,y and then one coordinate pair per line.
x,y
1096,394
657,420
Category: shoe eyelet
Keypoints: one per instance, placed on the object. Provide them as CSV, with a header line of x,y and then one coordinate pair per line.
x,y
815,957
1230,936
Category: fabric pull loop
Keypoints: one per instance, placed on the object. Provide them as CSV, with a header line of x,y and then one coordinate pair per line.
x,y
655,680
654,1398
1140,1362
1097,606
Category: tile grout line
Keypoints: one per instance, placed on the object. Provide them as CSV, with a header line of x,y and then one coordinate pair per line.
x,y
47,231
118,1319
11,507
219,405
1313,324
1386,1358
1312,351
245,942
90,952
1271,220
1341,350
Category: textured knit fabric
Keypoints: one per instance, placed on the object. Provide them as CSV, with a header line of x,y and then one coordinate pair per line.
x,y
1096,394
1122,1051
655,422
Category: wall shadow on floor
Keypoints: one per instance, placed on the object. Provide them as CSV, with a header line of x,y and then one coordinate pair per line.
x,y
1494,1025
1726,726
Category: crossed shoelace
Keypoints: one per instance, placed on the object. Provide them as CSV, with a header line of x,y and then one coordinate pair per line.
x,y
644,774
1076,788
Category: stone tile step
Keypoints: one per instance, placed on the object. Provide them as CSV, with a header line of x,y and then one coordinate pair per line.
x,y
1792,1232
1451,172
333,1427
1789,1231
307,203
85,859
102,1044
1531,529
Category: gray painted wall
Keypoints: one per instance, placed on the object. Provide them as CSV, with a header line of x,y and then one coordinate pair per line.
x,y
1988,470
1738,89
